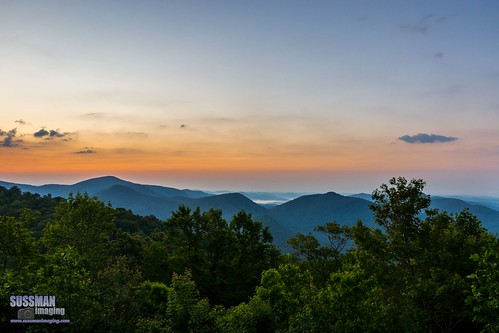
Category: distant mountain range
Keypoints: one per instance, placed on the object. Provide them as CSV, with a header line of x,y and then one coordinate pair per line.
x,y
301,214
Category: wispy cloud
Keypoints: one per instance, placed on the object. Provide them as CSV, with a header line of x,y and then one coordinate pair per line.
x,y
87,150
427,138
424,24
94,115
438,56
136,134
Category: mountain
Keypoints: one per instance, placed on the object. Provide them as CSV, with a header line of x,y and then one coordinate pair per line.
x,y
481,207
491,202
232,203
271,199
488,216
121,196
229,203
42,190
301,214
161,201
305,213
364,196
96,185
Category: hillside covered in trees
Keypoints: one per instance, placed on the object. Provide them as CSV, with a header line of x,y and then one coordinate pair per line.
x,y
114,271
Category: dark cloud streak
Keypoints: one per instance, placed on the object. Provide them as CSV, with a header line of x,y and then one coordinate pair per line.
x,y
52,133
57,134
427,138
41,133
86,151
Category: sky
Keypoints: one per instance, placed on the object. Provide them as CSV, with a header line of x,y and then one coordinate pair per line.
x,y
304,96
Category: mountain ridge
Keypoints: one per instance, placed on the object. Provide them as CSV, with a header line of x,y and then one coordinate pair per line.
x,y
300,214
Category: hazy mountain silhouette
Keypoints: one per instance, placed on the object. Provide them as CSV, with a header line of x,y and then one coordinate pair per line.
x,y
365,196
488,216
487,201
95,185
121,196
305,213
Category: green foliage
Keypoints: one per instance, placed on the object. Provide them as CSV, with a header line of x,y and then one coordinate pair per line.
x,y
256,316
14,203
84,223
420,262
112,306
208,246
252,252
185,311
62,274
349,303
484,298
320,260
17,243
286,289
127,221
397,208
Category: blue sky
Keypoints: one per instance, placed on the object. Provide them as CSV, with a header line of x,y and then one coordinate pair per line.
x,y
260,95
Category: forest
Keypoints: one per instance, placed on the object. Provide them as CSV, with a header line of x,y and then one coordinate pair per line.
x,y
109,270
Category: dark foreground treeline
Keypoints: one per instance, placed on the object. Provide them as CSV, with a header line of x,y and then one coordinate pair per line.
x,y
421,271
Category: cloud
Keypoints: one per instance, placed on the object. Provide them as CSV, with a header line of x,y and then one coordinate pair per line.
x,y
57,134
87,150
438,56
20,122
51,134
426,138
41,133
137,134
95,115
9,141
423,24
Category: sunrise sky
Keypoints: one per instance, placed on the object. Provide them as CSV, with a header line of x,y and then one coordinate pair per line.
x,y
304,96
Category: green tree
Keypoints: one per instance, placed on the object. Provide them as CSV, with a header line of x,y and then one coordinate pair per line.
x,y
112,292
351,301
256,316
397,208
225,260
321,260
17,243
287,290
63,275
185,311
420,258
253,252
87,225
484,297
152,301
